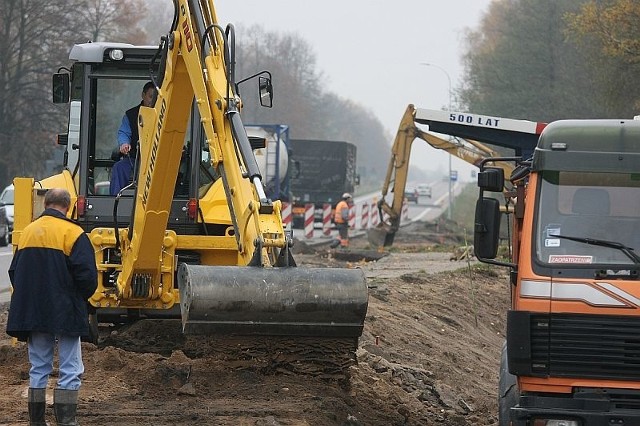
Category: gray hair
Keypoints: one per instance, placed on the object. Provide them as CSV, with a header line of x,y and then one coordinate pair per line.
x,y
58,197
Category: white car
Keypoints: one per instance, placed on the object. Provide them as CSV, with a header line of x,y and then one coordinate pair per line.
x,y
424,189
6,215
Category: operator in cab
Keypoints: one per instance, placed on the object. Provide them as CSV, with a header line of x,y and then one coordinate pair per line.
x,y
128,141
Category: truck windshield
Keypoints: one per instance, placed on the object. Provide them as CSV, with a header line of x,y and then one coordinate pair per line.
x,y
588,218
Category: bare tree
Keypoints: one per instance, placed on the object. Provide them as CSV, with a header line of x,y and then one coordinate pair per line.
x,y
31,44
113,20
35,40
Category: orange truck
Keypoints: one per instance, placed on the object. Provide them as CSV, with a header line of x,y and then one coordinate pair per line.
x,y
572,352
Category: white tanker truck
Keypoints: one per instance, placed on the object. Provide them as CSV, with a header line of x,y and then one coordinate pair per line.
x,y
273,161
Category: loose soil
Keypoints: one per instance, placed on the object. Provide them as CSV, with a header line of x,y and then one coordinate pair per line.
x,y
429,354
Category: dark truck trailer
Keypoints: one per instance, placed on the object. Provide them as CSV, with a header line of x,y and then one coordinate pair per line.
x,y
324,171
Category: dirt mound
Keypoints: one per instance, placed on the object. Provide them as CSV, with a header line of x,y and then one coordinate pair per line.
x,y
429,355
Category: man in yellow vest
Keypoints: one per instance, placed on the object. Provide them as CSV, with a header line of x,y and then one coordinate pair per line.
x,y
341,219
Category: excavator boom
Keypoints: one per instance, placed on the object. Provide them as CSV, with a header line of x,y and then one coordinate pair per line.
x,y
263,292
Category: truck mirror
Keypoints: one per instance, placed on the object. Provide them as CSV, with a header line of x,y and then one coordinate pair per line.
x,y
487,228
491,179
60,88
266,91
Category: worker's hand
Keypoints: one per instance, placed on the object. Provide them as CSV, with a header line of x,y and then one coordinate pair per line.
x,y
125,148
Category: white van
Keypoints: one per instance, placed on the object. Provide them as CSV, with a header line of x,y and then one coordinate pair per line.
x,y
424,189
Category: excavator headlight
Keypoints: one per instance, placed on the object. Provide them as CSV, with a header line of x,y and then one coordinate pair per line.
x,y
116,54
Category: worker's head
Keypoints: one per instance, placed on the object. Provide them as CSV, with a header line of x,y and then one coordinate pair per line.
x,y
148,94
58,199
346,196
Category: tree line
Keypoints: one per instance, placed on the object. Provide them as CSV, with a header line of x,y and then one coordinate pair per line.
x,y
545,60
539,60
36,40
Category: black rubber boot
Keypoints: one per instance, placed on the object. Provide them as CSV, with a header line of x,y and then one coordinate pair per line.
x,y
65,405
37,405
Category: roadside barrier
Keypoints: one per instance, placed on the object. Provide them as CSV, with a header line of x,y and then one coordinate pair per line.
x,y
352,217
309,210
364,219
326,219
405,210
287,215
375,217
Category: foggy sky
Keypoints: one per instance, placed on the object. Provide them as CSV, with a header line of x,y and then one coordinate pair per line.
x,y
370,51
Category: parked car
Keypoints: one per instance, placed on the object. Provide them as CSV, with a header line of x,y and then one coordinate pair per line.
x,y
411,195
424,189
6,216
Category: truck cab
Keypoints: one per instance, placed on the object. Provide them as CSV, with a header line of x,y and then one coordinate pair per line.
x,y
572,354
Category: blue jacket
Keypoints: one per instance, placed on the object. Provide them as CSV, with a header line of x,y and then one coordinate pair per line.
x,y
53,273
128,131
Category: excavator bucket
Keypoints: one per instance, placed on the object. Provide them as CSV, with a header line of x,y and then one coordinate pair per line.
x,y
295,301
381,236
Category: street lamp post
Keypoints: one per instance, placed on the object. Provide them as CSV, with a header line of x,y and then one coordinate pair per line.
x,y
427,64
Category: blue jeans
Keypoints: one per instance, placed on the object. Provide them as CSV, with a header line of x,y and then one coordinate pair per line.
x,y
121,175
41,346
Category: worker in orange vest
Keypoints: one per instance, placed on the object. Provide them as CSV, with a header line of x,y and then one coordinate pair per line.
x,y
341,219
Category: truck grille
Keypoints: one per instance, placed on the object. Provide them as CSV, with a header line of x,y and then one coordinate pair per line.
x,y
586,346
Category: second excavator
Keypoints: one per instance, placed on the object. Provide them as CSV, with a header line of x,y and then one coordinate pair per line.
x,y
468,131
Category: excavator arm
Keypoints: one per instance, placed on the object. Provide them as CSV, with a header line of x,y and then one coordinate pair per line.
x,y
187,73
461,145
197,60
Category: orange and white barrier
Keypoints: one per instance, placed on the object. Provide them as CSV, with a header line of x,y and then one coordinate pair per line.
x,y
287,215
375,216
352,217
385,217
364,218
309,210
405,210
326,219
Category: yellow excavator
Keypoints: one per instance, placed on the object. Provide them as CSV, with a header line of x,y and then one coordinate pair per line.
x,y
193,235
465,129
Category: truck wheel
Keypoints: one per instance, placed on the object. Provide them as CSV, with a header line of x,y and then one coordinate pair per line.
x,y
508,393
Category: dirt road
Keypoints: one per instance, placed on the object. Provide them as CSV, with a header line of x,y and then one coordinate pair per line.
x,y
429,355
